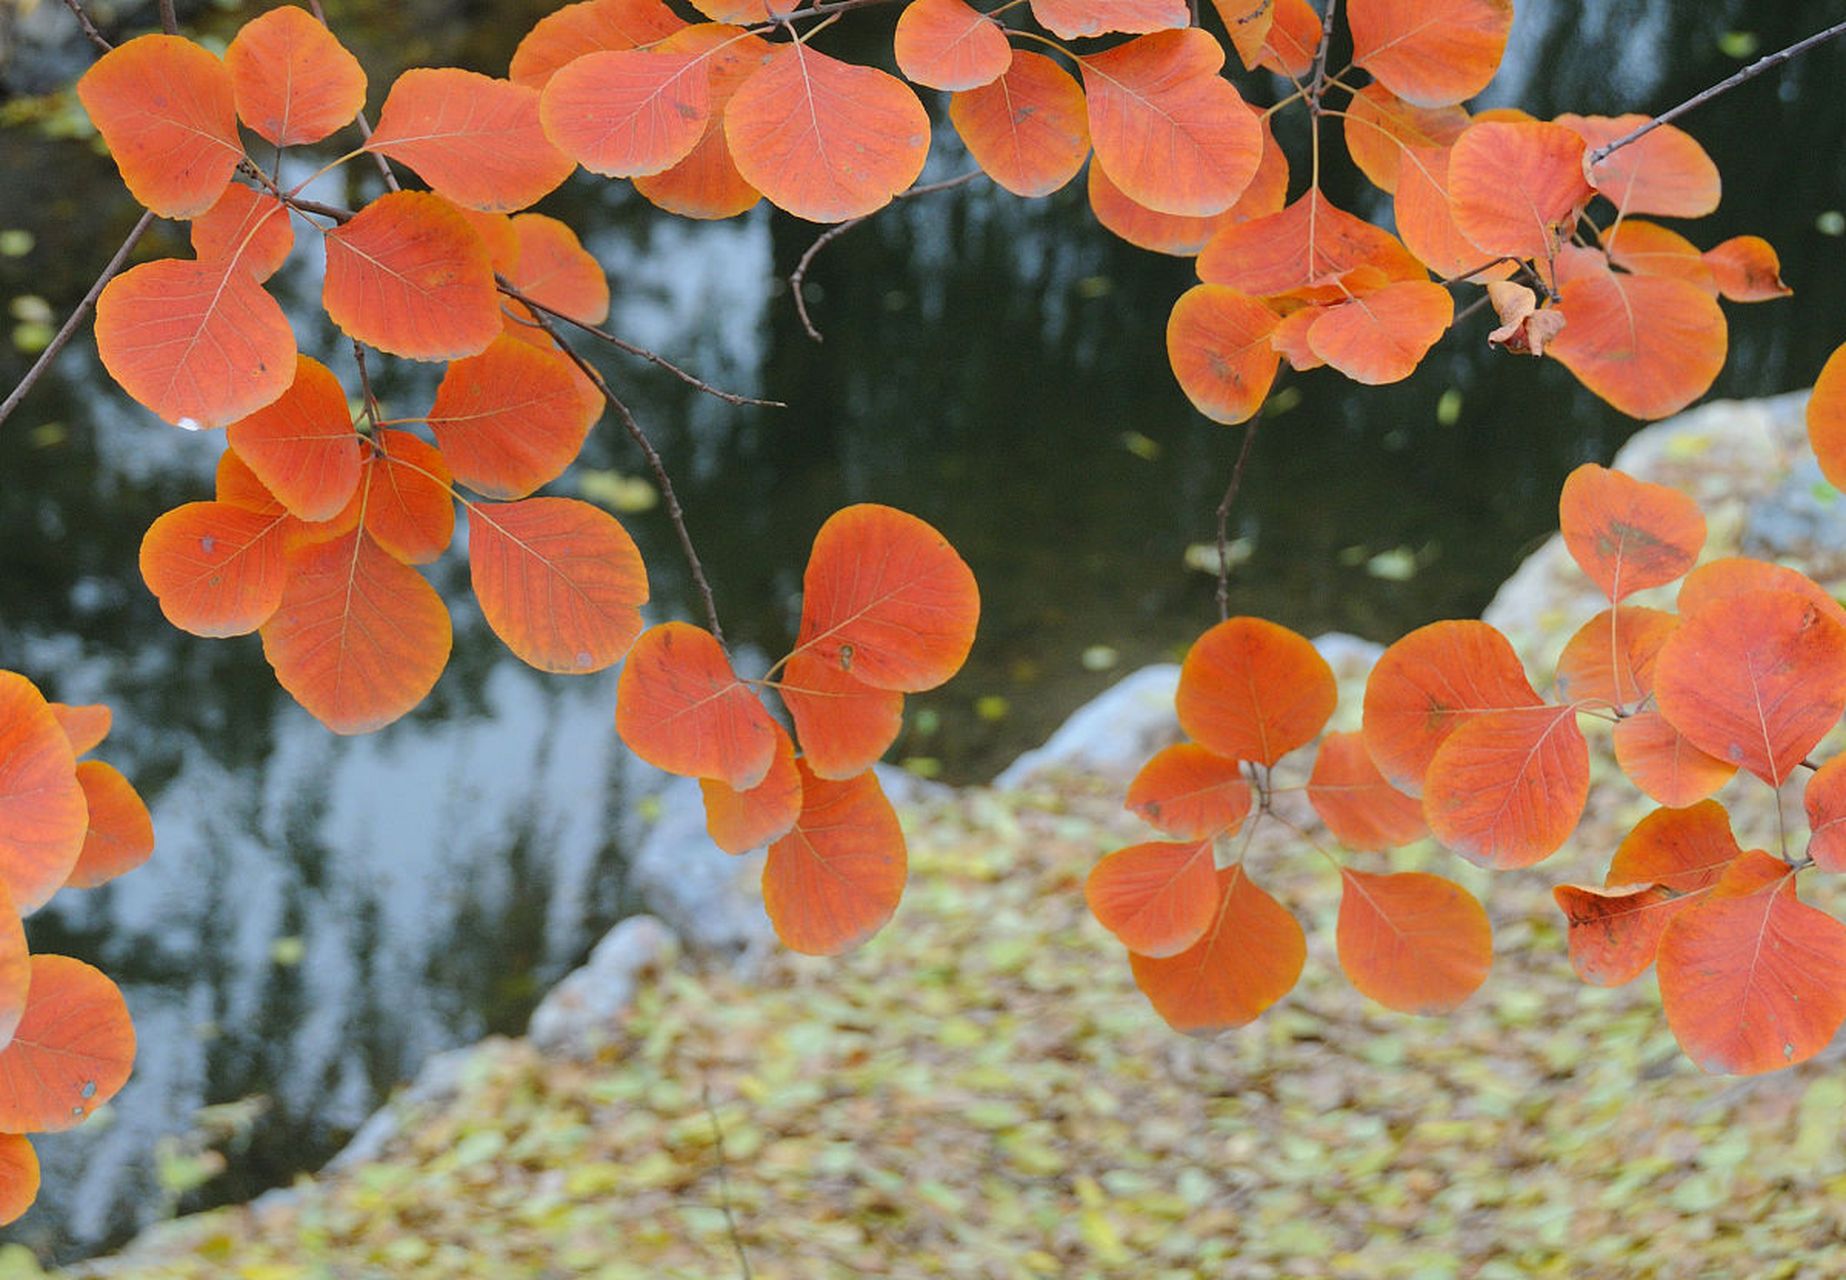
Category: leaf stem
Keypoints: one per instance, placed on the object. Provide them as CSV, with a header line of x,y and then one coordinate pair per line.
x,y
1230,497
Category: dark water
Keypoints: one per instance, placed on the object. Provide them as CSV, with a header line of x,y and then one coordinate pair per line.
x,y
323,913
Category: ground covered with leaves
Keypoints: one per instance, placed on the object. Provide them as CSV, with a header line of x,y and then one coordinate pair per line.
x,y
981,1092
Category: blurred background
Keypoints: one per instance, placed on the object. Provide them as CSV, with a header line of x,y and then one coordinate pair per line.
x,y
322,913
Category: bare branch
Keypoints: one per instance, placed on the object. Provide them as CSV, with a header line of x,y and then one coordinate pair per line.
x,y
1766,63
621,344
75,319
1230,497
798,277
169,21
90,32
1318,85
674,511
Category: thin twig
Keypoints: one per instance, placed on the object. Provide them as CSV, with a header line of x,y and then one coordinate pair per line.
x,y
75,319
1230,497
169,21
90,32
365,387
674,512
798,277
620,344
724,1186
1766,63
1470,309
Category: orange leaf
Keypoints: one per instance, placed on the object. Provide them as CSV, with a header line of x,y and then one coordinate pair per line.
x,y
1381,337
1825,799
1413,942
706,184
1180,235
1747,269
360,638
1611,657
1028,129
1379,125
1190,792
1728,576
745,12
474,139
887,599
739,821
85,726
1516,188
563,36
629,111
1524,329
1627,534
1755,679
1664,171
409,276
1666,767
823,139
214,567
15,968
1749,975
1288,45
1248,23
247,225
199,343
295,82
404,500
1218,344
945,44
680,707
836,878
19,1177
1648,345
164,107
1426,221
1169,130
1360,808
1615,931
1074,19
1249,957
72,1052
303,446
1157,898
559,581
1253,690
1506,790
1686,849
121,833
844,724
556,271
1309,245
510,419
1649,249
1290,339
1430,682
1826,418
1430,52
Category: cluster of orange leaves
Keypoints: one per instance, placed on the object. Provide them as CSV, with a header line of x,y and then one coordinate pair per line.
x,y
66,1041
1747,674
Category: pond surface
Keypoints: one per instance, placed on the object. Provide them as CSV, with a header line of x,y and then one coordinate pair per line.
x,y
324,913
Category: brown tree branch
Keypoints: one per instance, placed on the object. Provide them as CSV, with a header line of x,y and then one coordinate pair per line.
x,y
169,21
90,32
674,512
620,344
75,318
1230,497
1318,85
798,277
1766,63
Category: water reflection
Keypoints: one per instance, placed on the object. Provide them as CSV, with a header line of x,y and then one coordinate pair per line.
x,y
993,364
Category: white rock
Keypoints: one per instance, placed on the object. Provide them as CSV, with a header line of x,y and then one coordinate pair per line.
x,y
576,1016
1112,734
